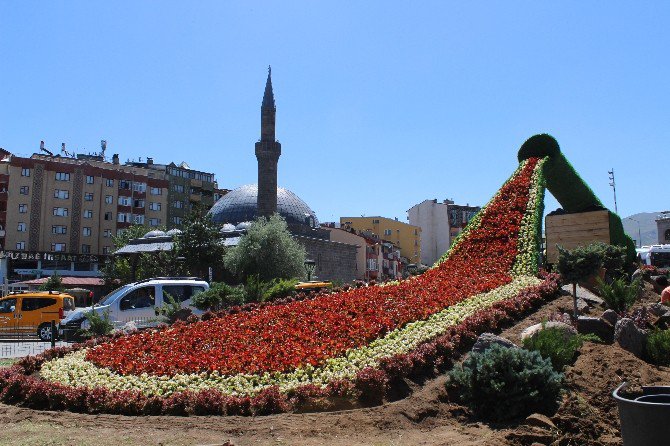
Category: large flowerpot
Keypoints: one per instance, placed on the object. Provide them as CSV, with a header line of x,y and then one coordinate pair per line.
x,y
644,420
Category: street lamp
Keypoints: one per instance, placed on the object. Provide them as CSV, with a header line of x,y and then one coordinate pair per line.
x,y
310,266
639,236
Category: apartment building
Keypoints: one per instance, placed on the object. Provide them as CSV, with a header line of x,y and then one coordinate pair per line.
x,y
405,236
187,189
440,223
60,213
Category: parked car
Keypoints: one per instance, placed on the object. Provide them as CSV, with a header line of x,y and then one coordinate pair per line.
x,y
137,302
32,312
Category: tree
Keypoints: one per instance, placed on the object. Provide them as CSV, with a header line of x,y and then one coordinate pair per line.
x,y
53,283
125,269
578,265
267,251
200,243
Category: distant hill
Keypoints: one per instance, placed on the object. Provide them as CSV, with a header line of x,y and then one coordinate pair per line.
x,y
648,229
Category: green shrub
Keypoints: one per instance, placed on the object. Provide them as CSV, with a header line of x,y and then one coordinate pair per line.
x,y
255,288
280,288
505,383
99,325
218,297
658,347
577,265
613,258
619,295
172,310
554,344
53,283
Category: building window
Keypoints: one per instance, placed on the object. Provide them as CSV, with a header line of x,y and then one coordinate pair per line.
x,y
59,229
109,216
58,247
25,172
88,213
124,217
86,232
109,182
154,206
154,222
138,203
88,196
21,227
125,201
20,246
62,176
387,232
61,194
139,187
60,212
23,208
667,234
138,219
176,220
178,188
24,190
109,199
125,184
375,222
178,204
107,233
156,191
105,249
85,249
89,179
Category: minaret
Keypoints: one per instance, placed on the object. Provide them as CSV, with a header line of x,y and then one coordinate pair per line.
x,y
267,154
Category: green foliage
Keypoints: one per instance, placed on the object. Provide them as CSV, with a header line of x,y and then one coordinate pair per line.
x,y
280,288
578,264
567,186
613,257
539,146
99,325
619,295
505,383
53,283
255,289
172,310
268,251
556,345
218,297
200,244
658,347
620,238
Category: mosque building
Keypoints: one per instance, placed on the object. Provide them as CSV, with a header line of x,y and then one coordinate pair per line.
x,y
236,209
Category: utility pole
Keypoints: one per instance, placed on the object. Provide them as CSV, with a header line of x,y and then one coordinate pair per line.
x,y
613,184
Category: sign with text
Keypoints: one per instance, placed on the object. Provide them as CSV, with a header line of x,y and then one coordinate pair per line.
x,y
54,256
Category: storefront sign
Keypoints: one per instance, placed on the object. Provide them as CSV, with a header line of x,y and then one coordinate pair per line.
x,y
55,256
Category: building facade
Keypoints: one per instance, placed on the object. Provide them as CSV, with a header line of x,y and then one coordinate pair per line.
x,y
663,226
60,213
405,236
440,224
187,189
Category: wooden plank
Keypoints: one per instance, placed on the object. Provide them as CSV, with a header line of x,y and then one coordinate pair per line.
x,y
573,230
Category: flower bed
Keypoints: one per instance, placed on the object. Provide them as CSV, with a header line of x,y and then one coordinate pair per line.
x,y
275,357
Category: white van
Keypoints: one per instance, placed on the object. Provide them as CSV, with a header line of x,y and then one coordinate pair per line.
x,y
656,255
137,302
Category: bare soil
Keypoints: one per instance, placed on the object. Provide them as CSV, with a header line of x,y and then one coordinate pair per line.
x,y
586,416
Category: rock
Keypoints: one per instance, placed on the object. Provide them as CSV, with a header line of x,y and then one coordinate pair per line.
x,y
629,337
583,306
486,340
534,329
584,294
610,317
596,326
539,420
658,309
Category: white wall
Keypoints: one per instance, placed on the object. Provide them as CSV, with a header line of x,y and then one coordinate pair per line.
x,y
433,218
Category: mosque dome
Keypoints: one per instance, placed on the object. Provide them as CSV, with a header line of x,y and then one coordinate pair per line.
x,y
240,205
154,233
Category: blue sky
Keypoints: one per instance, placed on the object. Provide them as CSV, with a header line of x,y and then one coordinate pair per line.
x,y
380,105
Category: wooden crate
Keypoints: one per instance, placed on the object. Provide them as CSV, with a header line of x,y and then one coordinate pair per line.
x,y
572,230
